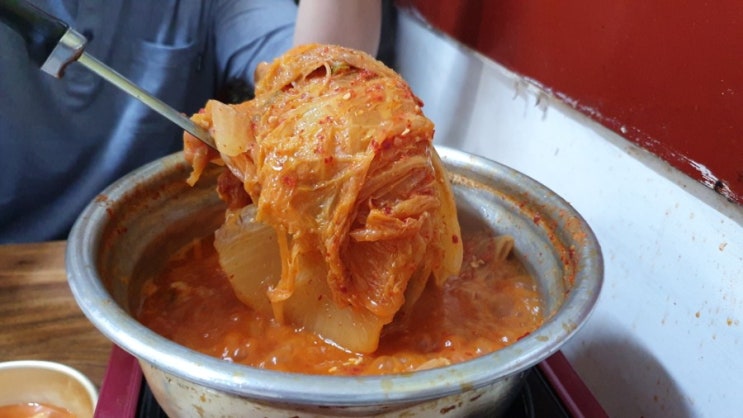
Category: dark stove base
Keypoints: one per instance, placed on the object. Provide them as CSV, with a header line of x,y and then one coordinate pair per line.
x,y
537,399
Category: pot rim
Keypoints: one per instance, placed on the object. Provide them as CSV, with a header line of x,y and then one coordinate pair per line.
x,y
267,385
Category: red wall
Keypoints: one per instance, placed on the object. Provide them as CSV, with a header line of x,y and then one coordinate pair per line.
x,y
667,75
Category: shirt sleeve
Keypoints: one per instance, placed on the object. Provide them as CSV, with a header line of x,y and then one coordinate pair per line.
x,y
247,32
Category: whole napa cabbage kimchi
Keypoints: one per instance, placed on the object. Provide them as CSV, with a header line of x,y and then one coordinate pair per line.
x,y
339,208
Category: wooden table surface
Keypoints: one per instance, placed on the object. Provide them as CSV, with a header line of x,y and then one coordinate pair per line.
x,y
39,318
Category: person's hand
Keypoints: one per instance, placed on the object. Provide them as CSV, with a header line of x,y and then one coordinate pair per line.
x,y
351,23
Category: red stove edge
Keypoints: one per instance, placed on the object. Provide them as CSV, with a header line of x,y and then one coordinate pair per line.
x,y
122,382
572,391
119,392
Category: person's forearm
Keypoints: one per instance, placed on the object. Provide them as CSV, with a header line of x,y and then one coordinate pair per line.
x,y
351,23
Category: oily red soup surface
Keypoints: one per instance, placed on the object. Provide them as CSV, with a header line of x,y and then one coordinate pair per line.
x,y
492,304
34,410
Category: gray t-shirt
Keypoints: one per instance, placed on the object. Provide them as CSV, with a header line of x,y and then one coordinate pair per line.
x,y
62,141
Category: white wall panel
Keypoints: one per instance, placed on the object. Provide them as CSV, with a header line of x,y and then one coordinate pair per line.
x,y
666,338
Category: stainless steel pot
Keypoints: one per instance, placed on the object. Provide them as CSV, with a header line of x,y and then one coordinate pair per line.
x,y
126,234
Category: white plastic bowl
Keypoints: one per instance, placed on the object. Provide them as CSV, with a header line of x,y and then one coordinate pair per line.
x,y
46,382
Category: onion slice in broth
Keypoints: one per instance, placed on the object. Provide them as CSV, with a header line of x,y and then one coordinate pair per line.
x,y
249,255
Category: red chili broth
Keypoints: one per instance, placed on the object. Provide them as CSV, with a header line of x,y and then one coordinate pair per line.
x,y
490,305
